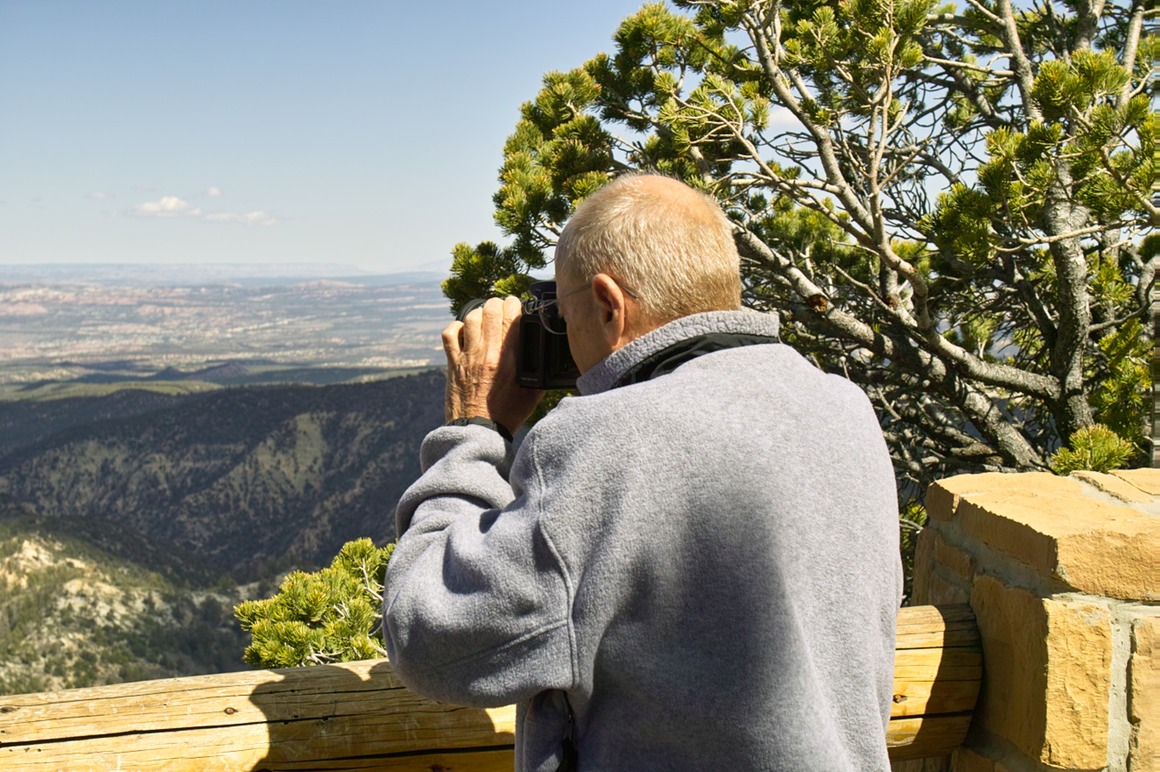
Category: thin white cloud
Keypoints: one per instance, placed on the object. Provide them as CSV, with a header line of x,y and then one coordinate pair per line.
x,y
173,206
167,206
99,195
249,218
214,191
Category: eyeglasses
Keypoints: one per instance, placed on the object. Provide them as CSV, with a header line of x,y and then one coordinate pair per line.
x,y
546,304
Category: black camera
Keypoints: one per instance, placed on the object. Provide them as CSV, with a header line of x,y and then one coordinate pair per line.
x,y
544,360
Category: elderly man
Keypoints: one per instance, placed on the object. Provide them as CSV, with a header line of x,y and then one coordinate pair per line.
x,y
694,564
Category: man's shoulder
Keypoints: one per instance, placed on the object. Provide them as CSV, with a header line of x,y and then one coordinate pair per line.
x,y
582,415
770,367
734,383
597,431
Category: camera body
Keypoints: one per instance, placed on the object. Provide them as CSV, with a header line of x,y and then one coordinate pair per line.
x,y
543,360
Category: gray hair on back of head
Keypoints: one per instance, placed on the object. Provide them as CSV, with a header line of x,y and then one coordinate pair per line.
x,y
669,243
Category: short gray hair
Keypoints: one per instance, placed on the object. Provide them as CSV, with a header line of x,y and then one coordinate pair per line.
x,y
672,245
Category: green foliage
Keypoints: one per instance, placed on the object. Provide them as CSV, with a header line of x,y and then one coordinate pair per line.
x,y
915,191
911,520
1096,448
483,271
333,615
1122,398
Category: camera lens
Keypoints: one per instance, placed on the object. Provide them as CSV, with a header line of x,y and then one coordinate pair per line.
x,y
468,307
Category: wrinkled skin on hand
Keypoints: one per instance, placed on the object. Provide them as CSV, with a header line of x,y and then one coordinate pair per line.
x,y
482,354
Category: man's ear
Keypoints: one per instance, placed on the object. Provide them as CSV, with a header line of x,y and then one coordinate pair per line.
x,y
612,304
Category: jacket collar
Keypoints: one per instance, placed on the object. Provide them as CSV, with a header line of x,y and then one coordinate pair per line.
x,y
664,349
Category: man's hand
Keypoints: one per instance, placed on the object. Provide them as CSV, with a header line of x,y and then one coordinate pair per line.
x,y
481,366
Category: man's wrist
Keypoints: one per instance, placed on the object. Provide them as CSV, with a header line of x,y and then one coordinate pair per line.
x,y
481,421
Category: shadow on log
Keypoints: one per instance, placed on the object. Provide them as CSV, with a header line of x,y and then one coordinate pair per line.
x,y
358,715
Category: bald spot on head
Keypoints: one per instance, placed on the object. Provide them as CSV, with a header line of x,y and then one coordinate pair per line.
x,y
669,198
669,243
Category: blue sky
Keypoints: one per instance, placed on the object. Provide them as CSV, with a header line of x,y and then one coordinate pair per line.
x,y
354,133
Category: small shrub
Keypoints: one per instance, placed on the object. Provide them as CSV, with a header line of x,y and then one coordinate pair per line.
x,y
332,615
1096,448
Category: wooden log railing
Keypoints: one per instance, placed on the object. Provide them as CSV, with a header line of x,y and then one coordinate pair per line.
x,y
938,666
359,716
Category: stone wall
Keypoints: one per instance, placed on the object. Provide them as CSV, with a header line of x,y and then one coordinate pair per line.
x,y
1063,574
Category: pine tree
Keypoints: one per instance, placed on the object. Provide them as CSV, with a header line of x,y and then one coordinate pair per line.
x,y
950,206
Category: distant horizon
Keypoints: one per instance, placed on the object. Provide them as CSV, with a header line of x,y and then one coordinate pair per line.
x,y
80,264
170,273
111,270
219,132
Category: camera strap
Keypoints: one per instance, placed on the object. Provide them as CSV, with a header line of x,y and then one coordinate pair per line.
x,y
671,357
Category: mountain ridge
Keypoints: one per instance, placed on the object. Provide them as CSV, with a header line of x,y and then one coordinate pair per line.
x,y
248,478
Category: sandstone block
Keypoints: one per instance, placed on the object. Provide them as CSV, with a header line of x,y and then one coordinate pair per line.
x,y
953,559
1114,486
1046,676
923,566
943,589
1144,698
1146,480
1055,526
1079,664
942,571
940,764
1013,627
967,760
940,501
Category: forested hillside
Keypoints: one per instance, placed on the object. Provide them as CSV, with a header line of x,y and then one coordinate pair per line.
x,y
253,480
131,524
73,614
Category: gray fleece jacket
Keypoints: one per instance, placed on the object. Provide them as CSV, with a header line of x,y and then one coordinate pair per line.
x,y
700,568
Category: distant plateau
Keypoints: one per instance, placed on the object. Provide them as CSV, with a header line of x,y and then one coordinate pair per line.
x,y
93,325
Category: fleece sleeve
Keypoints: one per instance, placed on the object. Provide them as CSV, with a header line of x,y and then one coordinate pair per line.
x,y
476,606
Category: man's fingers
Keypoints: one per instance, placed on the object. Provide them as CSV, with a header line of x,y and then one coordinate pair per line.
x,y
512,310
482,333
481,354
453,340
472,330
492,328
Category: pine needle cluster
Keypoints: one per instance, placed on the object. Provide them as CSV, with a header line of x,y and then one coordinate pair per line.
x,y
1096,448
332,615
